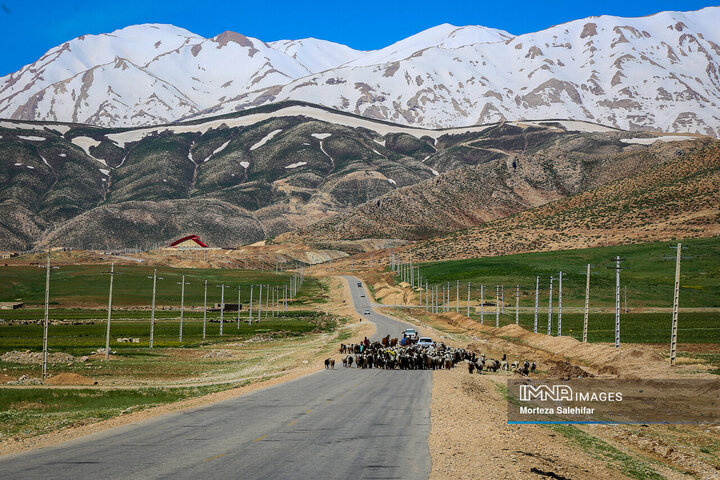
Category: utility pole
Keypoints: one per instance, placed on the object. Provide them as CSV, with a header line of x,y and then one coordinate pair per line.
x,y
549,325
468,301
676,300
497,306
107,332
46,320
537,295
502,299
251,306
427,302
517,304
182,304
152,311
617,260
559,331
222,305
587,304
238,309
260,305
482,304
205,311
457,297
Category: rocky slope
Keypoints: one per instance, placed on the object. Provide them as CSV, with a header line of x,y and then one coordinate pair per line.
x,y
674,199
246,177
657,73
535,166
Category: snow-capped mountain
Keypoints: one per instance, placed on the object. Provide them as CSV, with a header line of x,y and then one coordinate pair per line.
x,y
660,72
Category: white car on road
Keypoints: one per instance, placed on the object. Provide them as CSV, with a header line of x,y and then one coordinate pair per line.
x,y
425,342
366,312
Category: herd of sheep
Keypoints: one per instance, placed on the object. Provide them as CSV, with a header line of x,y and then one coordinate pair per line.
x,y
414,357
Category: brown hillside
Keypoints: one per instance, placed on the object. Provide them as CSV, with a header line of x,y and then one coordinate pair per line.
x,y
555,168
675,199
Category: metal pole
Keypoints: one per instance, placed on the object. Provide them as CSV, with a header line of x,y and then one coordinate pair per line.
x,y
260,304
46,318
457,297
152,311
107,332
468,301
559,331
537,296
617,302
251,306
549,325
497,306
517,304
182,306
482,304
238,309
587,304
222,307
502,299
205,310
676,298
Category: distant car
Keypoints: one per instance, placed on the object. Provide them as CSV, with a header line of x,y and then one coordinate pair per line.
x,y
425,342
366,312
359,284
410,333
362,295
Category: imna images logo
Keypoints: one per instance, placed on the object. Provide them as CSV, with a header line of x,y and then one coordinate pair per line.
x,y
544,393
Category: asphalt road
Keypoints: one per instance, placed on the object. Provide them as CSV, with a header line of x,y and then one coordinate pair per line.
x,y
334,424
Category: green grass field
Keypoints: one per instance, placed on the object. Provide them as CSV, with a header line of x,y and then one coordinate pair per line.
x,y
88,285
34,411
648,276
84,338
693,327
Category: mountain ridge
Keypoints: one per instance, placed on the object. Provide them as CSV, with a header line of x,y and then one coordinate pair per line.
x,y
656,73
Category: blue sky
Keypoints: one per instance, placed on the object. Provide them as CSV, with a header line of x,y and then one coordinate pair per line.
x,y
30,28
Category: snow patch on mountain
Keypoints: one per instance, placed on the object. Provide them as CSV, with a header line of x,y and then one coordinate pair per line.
x,y
85,143
296,165
266,139
651,140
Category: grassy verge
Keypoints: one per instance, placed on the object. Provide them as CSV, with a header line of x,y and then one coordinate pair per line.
x,y
595,447
35,411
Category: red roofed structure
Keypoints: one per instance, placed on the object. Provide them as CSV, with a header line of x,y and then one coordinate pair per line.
x,y
189,241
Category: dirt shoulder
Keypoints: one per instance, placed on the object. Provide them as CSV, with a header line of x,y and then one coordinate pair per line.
x,y
470,437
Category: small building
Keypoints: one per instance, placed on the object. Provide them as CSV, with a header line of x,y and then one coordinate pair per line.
x,y
11,305
191,241
229,307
